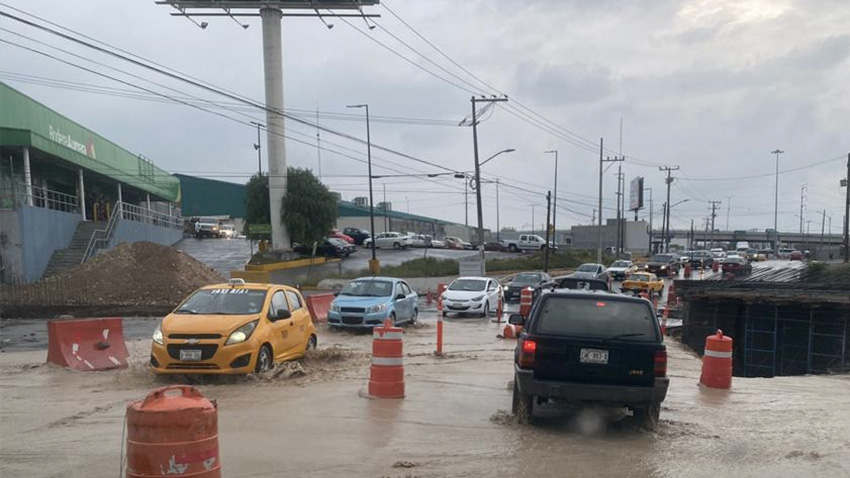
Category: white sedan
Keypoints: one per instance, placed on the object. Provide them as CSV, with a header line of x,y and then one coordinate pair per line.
x,y
395,240
472,295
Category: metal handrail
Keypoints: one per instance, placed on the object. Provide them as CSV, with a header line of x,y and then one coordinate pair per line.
x,y
95,240
101,237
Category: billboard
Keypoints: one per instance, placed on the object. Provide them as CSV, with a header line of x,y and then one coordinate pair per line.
x,y
636,194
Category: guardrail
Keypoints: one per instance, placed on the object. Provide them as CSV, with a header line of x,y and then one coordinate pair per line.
x,y
101,238
40,197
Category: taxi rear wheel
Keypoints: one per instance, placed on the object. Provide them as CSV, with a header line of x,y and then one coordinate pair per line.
x,y
264,359
312,343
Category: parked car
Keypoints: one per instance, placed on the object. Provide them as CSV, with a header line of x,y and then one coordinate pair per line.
x,y
718,253
495,246
368,301
457,243
330,247
523,280
796,256
472,295
233,328
643,282
621,269
437,244
359,235
528,242
590,271
420,240
336,234
736,265
663,264
394,240
590,347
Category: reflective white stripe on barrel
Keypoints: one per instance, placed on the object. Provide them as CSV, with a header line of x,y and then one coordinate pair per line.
x,y
387,361
387,335
716,354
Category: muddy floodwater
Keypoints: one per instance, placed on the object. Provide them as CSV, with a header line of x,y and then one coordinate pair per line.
x,y
311,420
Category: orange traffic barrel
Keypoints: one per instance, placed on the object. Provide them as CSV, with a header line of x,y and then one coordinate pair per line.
x,y
173,431
717,362
525,299
715,266
386,377
509,332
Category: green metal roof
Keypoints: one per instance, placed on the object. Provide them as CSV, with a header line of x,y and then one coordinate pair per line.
x,y
349,209
26,122
210,197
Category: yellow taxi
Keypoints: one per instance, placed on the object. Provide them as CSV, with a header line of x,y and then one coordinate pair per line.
x,y
643,281
233,328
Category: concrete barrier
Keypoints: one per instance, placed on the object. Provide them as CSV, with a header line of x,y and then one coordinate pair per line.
x,y
87,344
318,305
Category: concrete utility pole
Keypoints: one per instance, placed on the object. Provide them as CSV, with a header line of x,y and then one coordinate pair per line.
x,y
270,11
532,218
847,213
474,102
620,212
599,233
728,210
777,152
555,209
546,250
714,205
822,229
650,219
803,191
669,181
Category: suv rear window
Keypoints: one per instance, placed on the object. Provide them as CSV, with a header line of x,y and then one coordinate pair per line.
x,y
596,318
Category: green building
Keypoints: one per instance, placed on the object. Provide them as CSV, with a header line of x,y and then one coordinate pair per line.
x,y
67,193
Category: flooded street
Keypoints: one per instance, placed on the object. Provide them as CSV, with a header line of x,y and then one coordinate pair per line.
x,y
454,421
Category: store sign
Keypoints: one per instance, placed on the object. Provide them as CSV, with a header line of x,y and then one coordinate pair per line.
x,y
69,142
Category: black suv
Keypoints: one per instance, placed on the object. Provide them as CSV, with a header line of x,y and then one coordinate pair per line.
x,y
663,264
359,235
590,347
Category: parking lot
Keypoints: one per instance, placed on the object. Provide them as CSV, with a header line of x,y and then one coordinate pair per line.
x,y
454,421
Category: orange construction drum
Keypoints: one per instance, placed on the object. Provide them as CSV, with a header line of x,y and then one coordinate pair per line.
x,y
173,431
386,377
717,362
526,299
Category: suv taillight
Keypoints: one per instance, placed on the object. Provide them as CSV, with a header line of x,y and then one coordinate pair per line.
x,y
527,353
660,368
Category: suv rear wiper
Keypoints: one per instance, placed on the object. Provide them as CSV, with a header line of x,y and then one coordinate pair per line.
x,y
636,334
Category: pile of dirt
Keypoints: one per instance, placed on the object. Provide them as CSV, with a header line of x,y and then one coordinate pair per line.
x,y
137,276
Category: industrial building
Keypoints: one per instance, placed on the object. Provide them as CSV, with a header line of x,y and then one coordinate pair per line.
x,y
636,236
209,197
782,322
67,193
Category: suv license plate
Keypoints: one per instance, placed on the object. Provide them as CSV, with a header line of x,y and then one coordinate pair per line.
x,y
594,356
193,355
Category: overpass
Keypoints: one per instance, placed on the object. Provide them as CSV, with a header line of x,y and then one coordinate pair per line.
x,y
753,237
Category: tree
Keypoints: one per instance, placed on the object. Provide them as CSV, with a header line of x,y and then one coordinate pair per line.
x,y
310,210
257,200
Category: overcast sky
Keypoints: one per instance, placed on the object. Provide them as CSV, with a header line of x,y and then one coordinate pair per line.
x,y
711,86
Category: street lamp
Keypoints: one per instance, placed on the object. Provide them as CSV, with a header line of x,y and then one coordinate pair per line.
x,y
555,201
374,265
475,182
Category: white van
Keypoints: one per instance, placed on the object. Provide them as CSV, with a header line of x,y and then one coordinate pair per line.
x,y
742,246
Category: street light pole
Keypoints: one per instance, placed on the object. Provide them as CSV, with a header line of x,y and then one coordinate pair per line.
x,y
374,265
498,226
554,202
650,219
777,152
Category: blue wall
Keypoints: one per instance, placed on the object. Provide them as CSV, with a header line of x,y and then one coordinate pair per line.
x,y
42,232
134,231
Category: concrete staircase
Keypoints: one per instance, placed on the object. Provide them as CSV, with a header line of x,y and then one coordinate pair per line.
x,y
64,259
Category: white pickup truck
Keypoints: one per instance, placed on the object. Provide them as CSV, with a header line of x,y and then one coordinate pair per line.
x,y
528,242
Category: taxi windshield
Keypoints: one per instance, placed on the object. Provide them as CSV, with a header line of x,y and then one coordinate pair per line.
x,y
224,301
640,277
368,288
